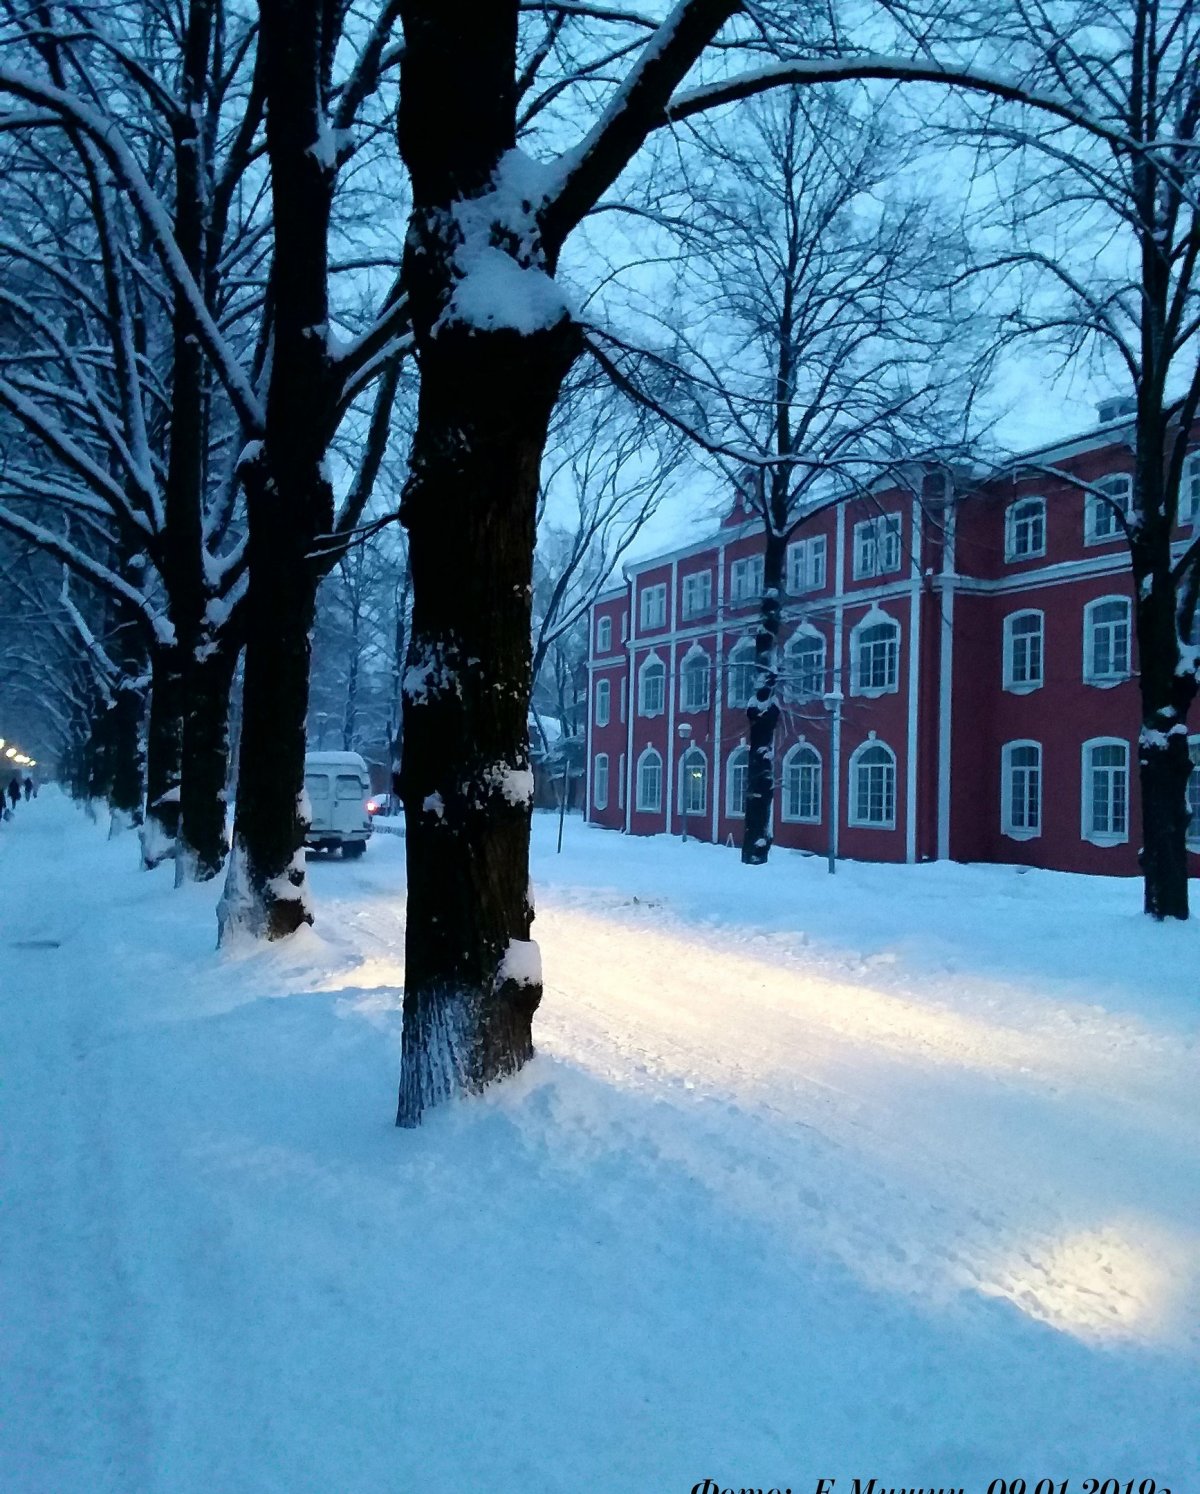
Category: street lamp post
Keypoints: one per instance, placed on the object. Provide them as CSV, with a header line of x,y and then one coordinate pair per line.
x,y
685,735
833,704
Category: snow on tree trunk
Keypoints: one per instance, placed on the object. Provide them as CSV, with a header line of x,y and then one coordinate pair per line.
x,y
203,842
164,746
763,711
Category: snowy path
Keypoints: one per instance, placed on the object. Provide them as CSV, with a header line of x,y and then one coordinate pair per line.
x,y
767,1206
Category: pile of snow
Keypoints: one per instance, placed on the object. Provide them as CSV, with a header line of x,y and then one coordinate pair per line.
x,y
891,1174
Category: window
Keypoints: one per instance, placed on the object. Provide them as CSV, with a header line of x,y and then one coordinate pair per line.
x,y
1106,791
746,579
697,594
875,650
349,786
649,782
624,694
1193,793
654,606
806,564
737,777
652,687
1106,641
316,786
1025,529
1101,521
603,702
873,786
693,782
1021,790
693,683
877,546
804,664
603,635
621,781
802,785
600,781
1024,651
741,673
1189,489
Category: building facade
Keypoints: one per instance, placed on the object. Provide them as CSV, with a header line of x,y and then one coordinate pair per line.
x,y
958,674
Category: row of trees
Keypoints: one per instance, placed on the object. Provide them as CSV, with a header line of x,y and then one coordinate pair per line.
x,y
220,287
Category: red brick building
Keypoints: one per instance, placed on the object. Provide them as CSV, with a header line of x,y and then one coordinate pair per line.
x,y
958,675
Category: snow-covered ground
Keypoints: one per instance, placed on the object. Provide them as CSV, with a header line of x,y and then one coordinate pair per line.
x,y
891,1174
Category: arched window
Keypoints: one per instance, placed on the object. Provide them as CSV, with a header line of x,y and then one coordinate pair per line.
x,y
802,785
652,687
1106,641
873,786
875,652
1025,529
600,781
693,681
741,673
649,782
804,664
1106,507
693,782
737,777
1024,650
1021,789
1105,817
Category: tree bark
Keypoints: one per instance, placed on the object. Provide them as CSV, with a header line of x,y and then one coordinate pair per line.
x,y
762,713
471,979
203,841
164,746
127,789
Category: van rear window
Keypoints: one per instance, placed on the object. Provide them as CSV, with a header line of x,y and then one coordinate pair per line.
x,y
349,787
317,785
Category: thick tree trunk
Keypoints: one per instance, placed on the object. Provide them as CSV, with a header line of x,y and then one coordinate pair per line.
x,y
164,747
100,750
1163,760
203,841
472,981
127,789
762,714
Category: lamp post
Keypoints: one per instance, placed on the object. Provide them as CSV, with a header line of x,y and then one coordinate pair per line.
x,y
685,735
833,704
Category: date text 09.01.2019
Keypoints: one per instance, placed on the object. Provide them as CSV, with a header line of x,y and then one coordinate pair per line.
x,y
997,1486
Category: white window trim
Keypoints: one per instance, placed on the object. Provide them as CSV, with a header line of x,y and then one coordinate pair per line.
x,y
1006,825
695,652
1193,750
803,630
738,752
873,619
603,692
1102,838
659,589
1107,681
1022,687
794,751
651,660
879,523
706,604
803,550
597,802
1094,504
639,803
1191,472
743,562
1010,529
852,810
604,635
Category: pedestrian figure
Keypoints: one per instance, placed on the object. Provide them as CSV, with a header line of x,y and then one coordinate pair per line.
x,y
28,789
14,790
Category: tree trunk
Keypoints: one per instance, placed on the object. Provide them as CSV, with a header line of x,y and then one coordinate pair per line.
x,y
164,746
127,788
100,754
472,981
762,713
1164,763
203,842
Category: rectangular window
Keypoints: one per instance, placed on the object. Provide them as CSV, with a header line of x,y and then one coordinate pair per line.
x,y
621,782
697,594
1193,793
624,697
1106,641
1025,529
603,635
1189,489
1024,651
1021,789
877,546
603,701
746,579
1106,791
806,564
600,781
654,606
1106,507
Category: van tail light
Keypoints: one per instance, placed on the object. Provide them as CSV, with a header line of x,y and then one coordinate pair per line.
x,y
372,806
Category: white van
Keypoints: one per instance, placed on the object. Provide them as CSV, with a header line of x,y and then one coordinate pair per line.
x,y
337,786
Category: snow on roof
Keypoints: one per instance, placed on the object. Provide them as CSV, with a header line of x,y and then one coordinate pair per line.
x,y
334,760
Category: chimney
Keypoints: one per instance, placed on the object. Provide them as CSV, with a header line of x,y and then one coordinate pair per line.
x,y
1115,407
